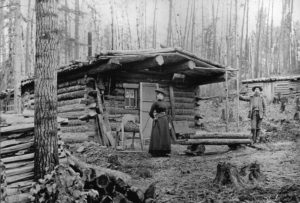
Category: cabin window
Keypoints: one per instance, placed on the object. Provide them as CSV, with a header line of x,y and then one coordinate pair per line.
x,y
131,98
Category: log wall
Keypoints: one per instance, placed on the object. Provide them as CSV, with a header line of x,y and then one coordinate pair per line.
x,y
184,99
70,95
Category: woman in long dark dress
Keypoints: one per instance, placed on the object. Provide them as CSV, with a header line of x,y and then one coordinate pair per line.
x,y
160,141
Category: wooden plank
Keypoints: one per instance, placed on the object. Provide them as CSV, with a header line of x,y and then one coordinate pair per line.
x,y
19,177
17,164
214,141
19,170
103,120
18,158
17,128
16,148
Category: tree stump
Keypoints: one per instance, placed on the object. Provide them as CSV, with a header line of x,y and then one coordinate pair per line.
x,y
252,173
228,175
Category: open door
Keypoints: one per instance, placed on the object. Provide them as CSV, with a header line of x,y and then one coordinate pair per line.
x,y
147,98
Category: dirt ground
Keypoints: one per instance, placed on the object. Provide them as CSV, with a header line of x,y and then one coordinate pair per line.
x,y
182,178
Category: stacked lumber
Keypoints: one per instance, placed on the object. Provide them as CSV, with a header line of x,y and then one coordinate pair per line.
x,y
217,138
17,156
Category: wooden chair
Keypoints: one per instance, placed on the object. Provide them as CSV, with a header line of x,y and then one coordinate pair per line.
x,y
126,119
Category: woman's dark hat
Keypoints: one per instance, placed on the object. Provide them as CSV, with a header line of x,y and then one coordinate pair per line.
x,y
159,90
257,86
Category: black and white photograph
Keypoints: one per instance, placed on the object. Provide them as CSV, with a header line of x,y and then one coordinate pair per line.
x,y
150,101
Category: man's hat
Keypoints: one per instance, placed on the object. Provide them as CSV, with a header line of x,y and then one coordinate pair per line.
x,y
159,90
257,86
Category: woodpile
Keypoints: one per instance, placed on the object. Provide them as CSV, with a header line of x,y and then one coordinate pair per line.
x,y
216,138
17,156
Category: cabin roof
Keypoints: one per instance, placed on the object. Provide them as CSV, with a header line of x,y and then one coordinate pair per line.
x,y
166,61
272,79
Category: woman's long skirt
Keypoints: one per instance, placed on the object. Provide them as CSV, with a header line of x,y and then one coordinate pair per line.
x,y
160,141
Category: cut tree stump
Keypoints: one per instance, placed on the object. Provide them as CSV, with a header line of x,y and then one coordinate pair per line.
x,y
228,175
252,173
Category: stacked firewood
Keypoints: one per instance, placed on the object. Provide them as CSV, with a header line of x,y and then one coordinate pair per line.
x,y
17,155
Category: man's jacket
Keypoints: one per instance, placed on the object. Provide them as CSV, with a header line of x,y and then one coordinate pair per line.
x,y
261,105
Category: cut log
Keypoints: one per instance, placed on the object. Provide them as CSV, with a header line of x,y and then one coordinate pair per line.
x,y
215,141
18,198
16,148
71,108
155,62
19,177
227,174
113,111
221,135
20,170
18,158
13,191
184,105
184,111
8,143
70,95
72,115
81,81
18,164
184,100
90,172
70,89
17,128
78,137
178,68
69,102
78,129
184,94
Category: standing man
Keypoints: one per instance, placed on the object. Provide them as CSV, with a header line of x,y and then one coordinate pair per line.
x,y
257,111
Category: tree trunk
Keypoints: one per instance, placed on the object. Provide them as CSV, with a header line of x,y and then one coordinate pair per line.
x,y
27,44
154,26
45,91
259,22
77,29
17,58
169,35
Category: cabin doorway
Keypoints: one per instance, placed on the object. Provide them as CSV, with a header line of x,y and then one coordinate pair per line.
x,y
147,97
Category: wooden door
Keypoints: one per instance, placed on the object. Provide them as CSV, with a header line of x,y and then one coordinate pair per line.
x,y
147,97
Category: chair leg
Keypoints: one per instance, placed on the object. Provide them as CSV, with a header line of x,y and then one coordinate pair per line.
x,y
117,140
141,139
132,143
123,134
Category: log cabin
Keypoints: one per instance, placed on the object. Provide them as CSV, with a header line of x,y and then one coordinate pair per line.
x,y
286,86
127,80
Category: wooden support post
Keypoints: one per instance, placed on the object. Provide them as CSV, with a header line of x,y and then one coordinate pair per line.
x,y
172,101
226,107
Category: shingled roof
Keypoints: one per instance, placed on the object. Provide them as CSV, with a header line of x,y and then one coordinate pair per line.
x,y
166,61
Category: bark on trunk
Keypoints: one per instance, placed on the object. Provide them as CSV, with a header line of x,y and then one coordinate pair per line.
x,y
46,153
